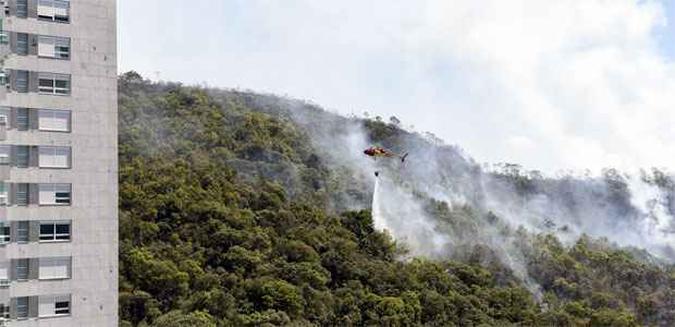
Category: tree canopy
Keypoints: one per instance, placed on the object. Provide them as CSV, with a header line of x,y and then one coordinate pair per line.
x,y
226,220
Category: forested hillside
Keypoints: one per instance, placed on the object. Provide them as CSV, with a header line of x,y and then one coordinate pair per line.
x,y
231,214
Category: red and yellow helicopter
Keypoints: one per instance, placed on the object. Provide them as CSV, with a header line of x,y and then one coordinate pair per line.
x,y
380,152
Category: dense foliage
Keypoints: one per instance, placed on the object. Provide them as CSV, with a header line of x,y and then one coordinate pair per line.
x,y
226,221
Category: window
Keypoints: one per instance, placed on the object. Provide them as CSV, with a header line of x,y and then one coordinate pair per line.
x,y
3,78
58,84
22,119
54,157
54,120
62,307
54,231
54,10
4,36
21,194
4,311
4,234
21,269
21,44
4,276
22,232
22,8
4,115
3,194
54,47
22,307
4,272
4,154
51,305
21,81
22,159
54,268
55,194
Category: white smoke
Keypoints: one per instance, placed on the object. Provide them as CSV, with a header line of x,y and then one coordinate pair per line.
x,y
627,210
395,210
590,206
655,228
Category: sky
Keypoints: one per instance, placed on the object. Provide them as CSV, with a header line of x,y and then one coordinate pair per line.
x,y
551,85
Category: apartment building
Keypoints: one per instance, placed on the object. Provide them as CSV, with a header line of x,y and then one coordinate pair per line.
x,y
58,163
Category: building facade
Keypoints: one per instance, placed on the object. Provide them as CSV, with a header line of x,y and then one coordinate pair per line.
x,y
58,163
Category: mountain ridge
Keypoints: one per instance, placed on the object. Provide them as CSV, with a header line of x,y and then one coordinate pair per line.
x,y
243,209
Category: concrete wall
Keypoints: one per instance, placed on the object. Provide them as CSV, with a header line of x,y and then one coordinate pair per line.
x,y
94,172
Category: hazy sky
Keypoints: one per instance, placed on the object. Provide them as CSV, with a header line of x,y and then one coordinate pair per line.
x,y
548,84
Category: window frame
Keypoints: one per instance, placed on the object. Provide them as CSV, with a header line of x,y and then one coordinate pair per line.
x,y
68,265
57,43
56,301
56,192
55,153
53,79
52,114
53,5
53,237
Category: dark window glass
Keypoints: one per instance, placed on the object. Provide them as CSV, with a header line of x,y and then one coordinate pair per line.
x,y
61,83
62,52
63,197
62,229
54,232
62,308
5,236
46,82
63,232
4,311
47,229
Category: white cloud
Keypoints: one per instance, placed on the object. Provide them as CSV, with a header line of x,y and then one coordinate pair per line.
x,y
583,81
